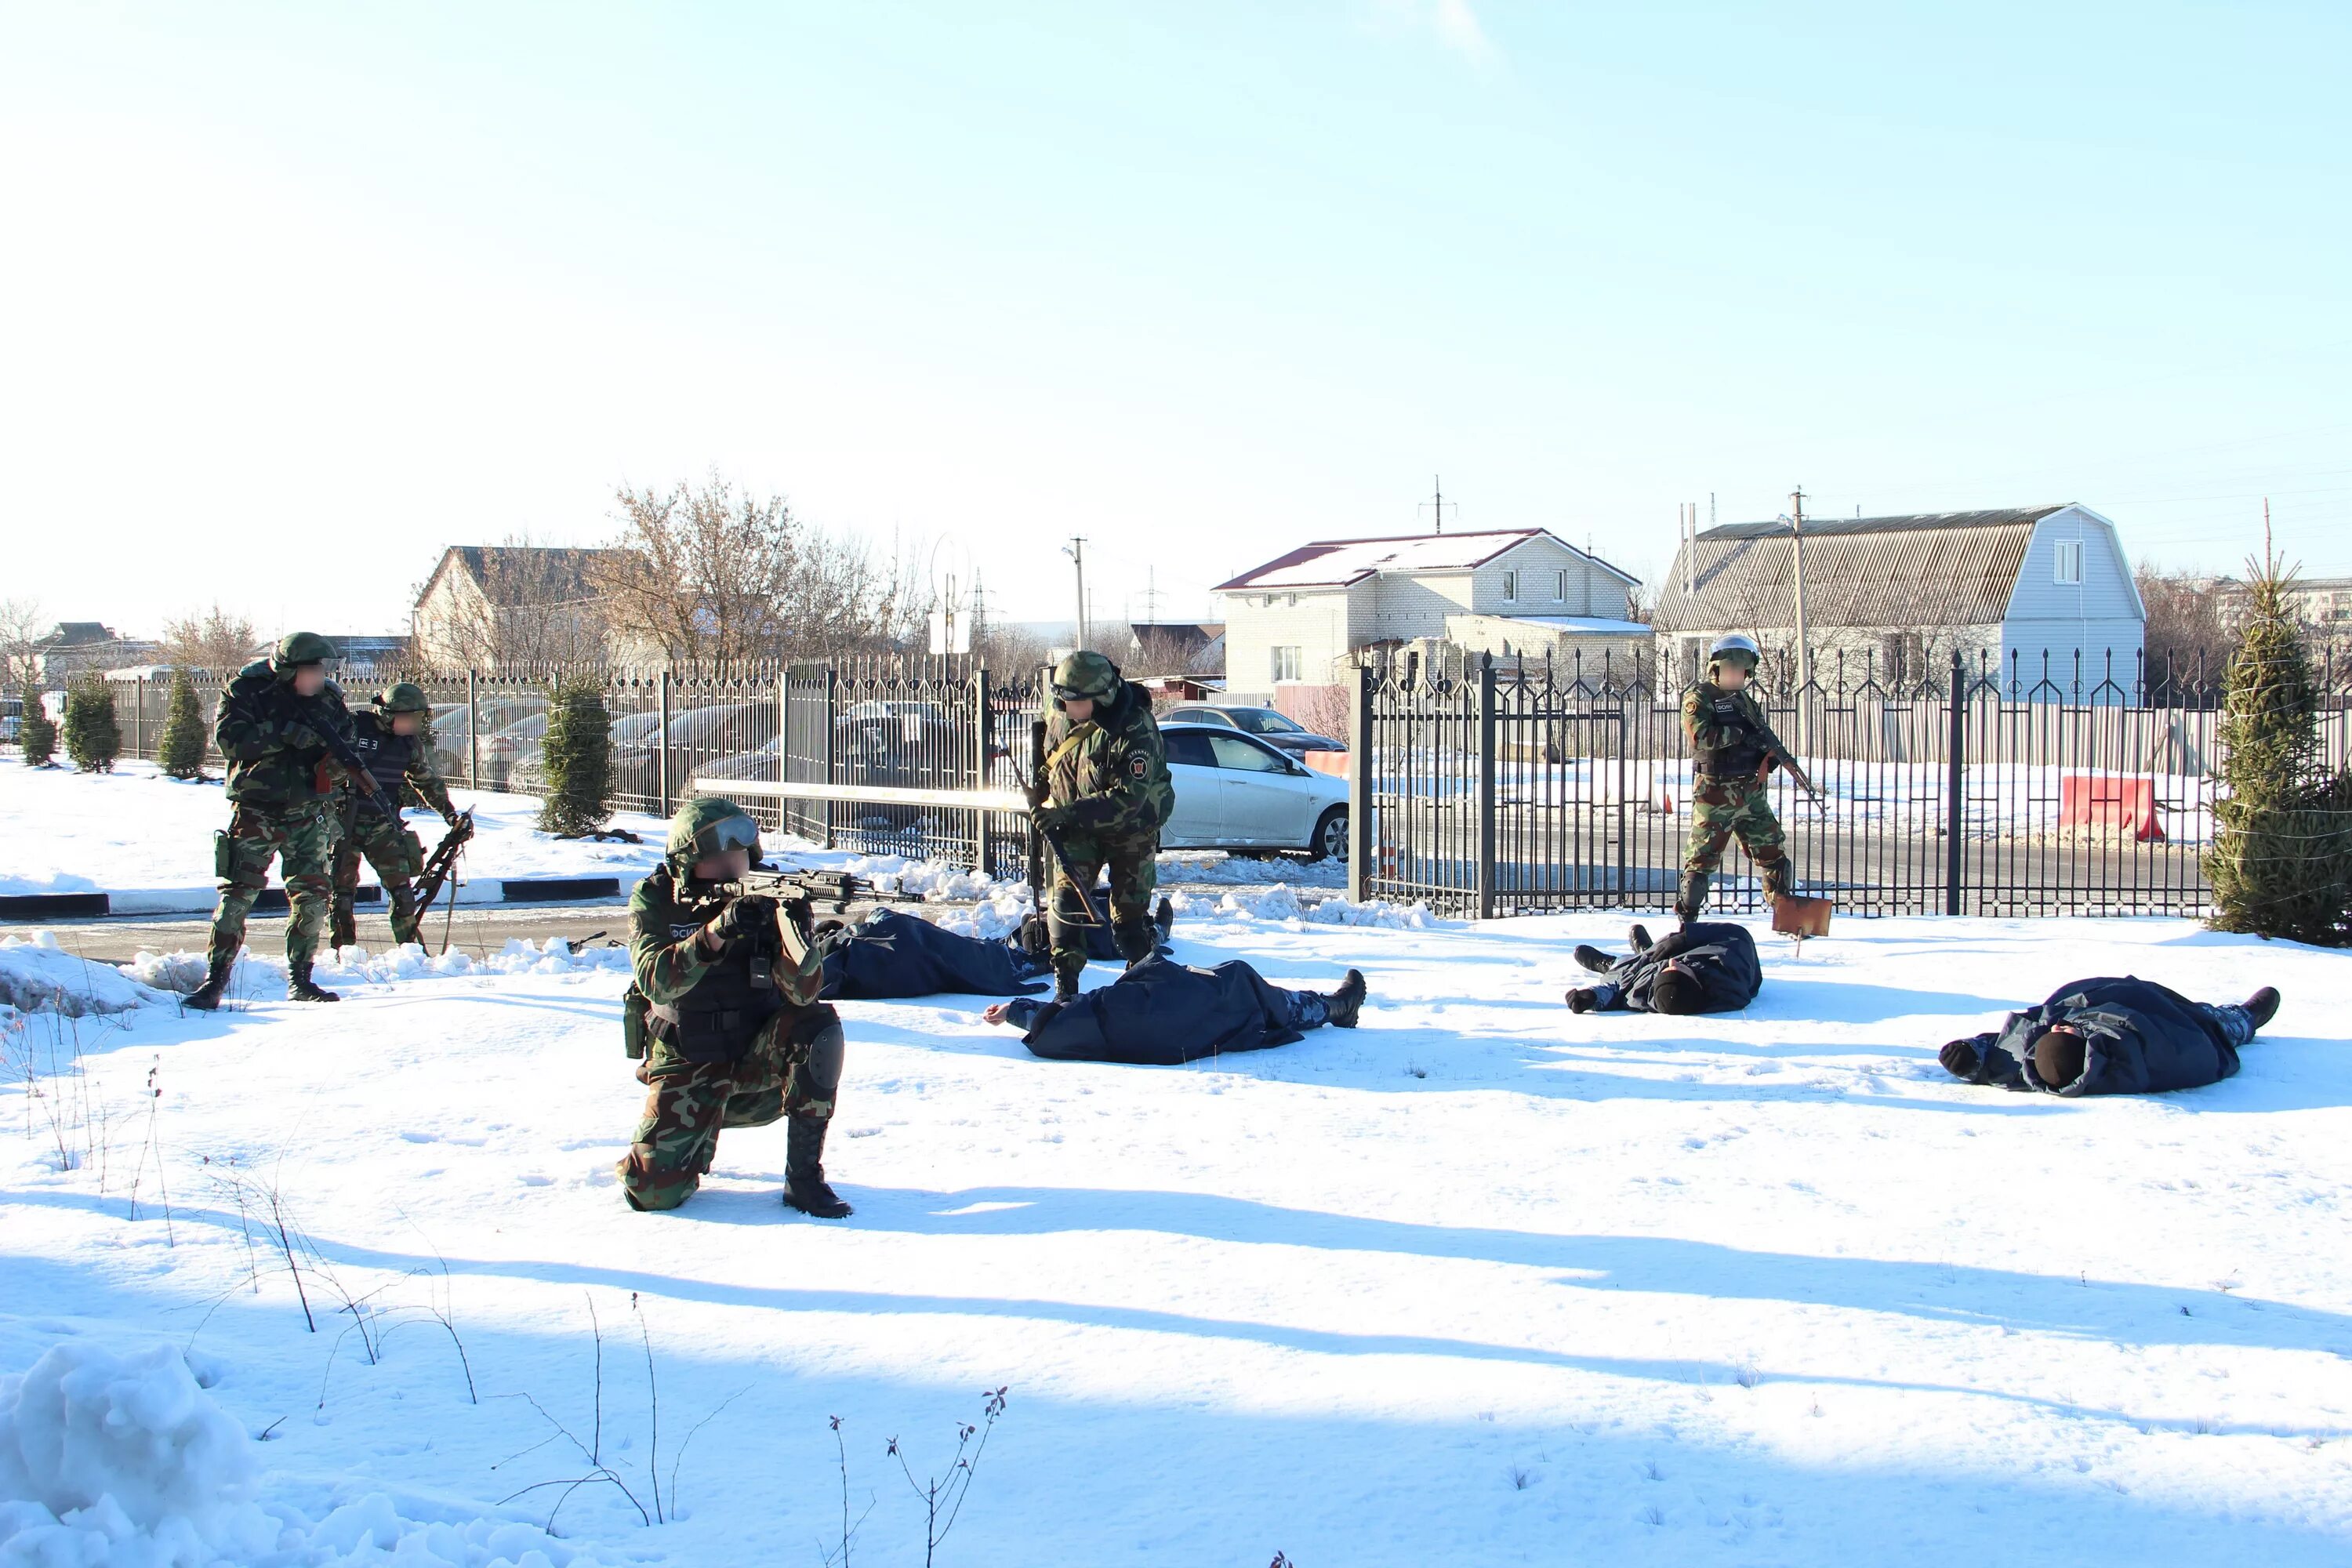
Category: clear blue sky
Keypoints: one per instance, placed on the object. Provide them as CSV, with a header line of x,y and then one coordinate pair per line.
x,y
296,295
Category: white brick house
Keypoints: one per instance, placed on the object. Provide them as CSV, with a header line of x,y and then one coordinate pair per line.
x,y
1307,616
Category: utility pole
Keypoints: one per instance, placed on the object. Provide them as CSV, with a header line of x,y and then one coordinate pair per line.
x,y
1076,552
1436,503
1797,544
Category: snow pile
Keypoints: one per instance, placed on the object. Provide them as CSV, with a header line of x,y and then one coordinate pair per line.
x,y
182,972
37,976
125,1459
1196,865
1281,904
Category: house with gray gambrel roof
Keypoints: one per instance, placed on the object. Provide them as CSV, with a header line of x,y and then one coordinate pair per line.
x,y
1891,598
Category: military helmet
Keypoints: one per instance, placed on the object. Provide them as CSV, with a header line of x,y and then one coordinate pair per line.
x,y
1085,674
707,825
302,647
1736,648
403,696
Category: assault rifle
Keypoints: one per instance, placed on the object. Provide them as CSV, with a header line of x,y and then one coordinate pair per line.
x,y
313,712
1034,787
830,891
1779,753
442,862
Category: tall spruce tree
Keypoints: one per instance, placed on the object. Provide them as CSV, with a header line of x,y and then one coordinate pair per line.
x,y
93,739
578,757
181,749
38,732
2281,859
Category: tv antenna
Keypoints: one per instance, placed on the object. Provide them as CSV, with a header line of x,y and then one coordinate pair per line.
x,y
1437,503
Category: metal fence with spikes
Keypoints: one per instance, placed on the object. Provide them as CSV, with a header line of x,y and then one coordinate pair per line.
x,y
2026,786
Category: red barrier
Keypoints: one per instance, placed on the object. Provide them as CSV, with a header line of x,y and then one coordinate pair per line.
x,y
1332,763
2120,802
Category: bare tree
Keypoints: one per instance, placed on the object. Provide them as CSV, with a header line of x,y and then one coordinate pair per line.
x,y
1159,651
705,574
22,622
217,641
2188,637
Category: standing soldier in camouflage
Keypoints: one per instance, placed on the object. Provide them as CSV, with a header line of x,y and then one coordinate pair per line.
x,y
1731,767
1106,794
277,807
724,1014
389,736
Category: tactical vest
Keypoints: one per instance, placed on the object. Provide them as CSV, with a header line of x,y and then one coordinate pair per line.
x,y
387,755
1739,758
720,1017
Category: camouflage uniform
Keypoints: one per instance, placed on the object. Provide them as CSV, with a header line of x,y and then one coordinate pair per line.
x,y
1109,793
402,768
277,802
735,1038
1728,794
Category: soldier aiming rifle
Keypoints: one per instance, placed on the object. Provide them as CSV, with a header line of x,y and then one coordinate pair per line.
x,y
387,741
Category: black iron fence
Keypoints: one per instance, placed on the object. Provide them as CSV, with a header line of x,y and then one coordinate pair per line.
x,y
931,722
2033,787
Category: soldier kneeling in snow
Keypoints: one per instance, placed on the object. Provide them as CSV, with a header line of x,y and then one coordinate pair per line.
x,y
1705,968
2112,1036
725,1012
1160,1013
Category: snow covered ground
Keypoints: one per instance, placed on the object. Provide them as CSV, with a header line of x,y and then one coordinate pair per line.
x,y
1480,1282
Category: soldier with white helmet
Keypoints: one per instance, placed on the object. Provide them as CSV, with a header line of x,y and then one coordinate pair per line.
x,y
1732,764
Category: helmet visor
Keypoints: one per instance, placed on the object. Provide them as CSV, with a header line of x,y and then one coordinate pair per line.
x,y
729,833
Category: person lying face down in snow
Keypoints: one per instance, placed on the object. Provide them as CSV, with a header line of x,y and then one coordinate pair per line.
x,y
1708,966
891,954
1160,1013
2112,1036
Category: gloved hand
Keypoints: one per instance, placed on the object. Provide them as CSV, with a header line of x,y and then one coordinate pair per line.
x,y
1961,1058
298,735
803,914
747,916
1052,818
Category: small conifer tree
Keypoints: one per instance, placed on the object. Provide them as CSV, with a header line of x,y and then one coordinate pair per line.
x,y
2281,859
578,757
38,733
181,751
93,739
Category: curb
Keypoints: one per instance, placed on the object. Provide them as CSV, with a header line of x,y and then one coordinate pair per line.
x,y
272,901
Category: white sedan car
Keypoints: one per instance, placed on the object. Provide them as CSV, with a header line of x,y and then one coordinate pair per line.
x,y
1235,792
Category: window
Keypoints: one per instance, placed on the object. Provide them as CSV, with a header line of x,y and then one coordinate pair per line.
x,y
2070,561
1287,663
1510,586
1189,747
1264,722
1559,587
1245,756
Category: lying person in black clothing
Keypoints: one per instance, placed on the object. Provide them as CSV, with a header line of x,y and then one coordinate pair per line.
x,y
892,954
2112,1036
1160,1013
1708,966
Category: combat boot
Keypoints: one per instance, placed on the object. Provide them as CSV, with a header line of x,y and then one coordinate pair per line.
x,y
1137,940
300,987
805,1184
1691,901
1347,1001
2262,1005
1593,959
1638,938
207,996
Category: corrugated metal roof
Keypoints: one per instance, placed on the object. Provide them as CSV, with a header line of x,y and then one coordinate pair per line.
x,y
1936,569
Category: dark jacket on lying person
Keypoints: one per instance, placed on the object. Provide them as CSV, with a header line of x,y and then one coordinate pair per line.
x,y
1708,966
1161,1013
894,955
2110,1036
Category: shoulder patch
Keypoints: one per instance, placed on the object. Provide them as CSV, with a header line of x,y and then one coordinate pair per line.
x,y
1139,766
